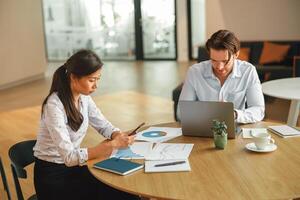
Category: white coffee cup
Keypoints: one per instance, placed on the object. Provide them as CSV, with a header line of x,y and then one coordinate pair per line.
x,y
262,140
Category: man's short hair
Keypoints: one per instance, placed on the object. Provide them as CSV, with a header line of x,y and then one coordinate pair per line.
x,y
223,40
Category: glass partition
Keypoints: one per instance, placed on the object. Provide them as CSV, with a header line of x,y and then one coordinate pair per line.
x,y
158,24
105,26
108,28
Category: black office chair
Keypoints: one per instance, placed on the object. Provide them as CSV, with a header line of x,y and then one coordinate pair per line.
x,y
21,155
4,180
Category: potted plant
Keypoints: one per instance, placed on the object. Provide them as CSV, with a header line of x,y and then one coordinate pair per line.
x,y
219,130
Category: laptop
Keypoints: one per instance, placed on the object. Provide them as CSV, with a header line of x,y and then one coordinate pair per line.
x,y
196,117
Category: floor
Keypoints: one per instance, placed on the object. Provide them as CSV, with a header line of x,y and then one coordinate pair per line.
x,y
156,78
129,93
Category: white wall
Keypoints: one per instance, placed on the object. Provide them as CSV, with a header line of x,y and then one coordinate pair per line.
x,y
198,15
182,31
248,19
255,19
22,50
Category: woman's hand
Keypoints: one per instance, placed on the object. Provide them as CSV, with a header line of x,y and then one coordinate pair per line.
x,y
104,149
121,140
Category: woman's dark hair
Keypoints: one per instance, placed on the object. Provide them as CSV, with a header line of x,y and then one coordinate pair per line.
x,y
223,40
80,64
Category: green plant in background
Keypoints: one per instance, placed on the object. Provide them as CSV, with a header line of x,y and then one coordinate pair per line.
x,y
219,130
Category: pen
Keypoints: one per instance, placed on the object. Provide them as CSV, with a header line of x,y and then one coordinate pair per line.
x,y
169,164
134,131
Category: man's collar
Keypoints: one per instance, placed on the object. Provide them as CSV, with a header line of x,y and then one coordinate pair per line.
x,y
208,73
236,72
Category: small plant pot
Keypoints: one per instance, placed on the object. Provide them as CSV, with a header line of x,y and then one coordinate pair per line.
x,y
220,141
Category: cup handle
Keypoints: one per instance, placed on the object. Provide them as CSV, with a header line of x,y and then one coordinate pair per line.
x,y
251,133
272,141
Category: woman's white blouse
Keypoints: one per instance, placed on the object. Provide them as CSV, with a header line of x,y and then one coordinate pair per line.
x,y
57,142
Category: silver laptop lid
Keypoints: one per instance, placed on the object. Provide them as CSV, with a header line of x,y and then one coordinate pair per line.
x,y
196,117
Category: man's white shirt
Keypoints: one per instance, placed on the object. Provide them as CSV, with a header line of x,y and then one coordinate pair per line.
x,y
241,86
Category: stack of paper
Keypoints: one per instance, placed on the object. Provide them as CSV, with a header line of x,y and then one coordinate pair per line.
x,y
160,157
169,157
285,131
167,166
170,151
173,156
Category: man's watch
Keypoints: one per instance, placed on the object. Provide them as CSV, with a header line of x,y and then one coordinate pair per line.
x,y
235,114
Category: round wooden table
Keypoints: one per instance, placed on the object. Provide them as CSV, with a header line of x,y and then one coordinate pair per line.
x,y
233,173
286,88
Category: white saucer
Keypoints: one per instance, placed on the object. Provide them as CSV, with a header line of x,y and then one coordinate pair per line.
x,y
269,148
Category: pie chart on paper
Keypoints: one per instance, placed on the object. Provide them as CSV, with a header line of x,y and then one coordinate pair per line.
x,y
154,134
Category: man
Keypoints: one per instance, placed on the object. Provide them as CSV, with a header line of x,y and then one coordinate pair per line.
x,y
225,78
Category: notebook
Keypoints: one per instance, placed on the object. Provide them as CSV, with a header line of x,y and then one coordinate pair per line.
x,y
285,131
118,166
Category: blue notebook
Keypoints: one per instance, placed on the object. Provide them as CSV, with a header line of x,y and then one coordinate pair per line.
x,y
118,166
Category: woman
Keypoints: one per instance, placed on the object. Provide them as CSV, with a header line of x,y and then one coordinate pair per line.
x,y
59,171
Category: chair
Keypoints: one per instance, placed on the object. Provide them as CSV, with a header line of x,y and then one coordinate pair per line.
x,y
4,180
175,97
21,155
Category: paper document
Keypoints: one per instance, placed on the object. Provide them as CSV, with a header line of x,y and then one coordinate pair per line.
x,y
285,131
153,166
170,151
247,131
158,134
138,150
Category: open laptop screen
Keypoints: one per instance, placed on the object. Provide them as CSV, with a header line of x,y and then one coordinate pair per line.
x,y
196,117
